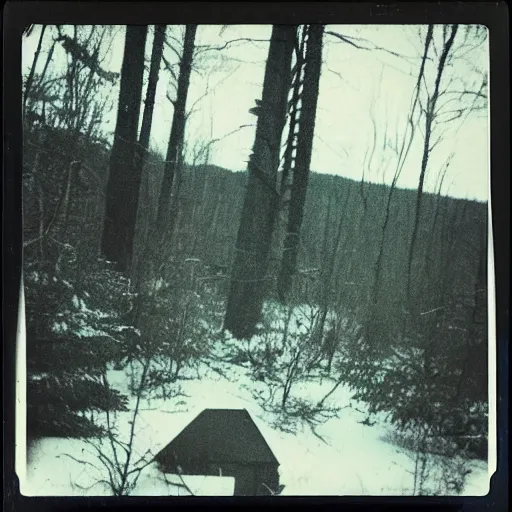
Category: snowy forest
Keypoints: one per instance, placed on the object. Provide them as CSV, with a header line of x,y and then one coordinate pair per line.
x,y
287,219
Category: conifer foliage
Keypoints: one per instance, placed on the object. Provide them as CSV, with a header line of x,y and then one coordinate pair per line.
x,y
71,344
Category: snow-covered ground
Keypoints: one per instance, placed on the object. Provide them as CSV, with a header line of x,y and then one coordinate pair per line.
x,y
352,459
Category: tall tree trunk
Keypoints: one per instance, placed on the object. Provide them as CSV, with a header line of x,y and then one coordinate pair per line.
x,y
323,294
288,158
175,146
124,179
145,130
330,251
303,159
149,103
157,247
248,279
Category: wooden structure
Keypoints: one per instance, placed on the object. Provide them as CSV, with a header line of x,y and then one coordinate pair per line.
x,y
224,442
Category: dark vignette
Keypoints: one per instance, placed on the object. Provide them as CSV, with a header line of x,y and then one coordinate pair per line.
x,y
20,14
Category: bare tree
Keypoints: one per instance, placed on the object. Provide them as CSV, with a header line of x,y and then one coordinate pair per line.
x,y
402,151
443,102
149,103
173,159
158,247
429,114
290,150
65,106
332,243
297,83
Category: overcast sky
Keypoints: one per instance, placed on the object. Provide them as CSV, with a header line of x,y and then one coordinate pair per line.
x,y
352,81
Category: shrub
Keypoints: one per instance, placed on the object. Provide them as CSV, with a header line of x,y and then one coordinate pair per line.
x,y
72,337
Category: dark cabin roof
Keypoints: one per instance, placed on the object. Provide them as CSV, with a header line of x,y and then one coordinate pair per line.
x,y
220,435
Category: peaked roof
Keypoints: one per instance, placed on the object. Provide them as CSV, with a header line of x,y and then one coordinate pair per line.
x,y
220,435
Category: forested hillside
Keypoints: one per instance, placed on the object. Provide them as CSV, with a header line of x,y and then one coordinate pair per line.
x,y
338,228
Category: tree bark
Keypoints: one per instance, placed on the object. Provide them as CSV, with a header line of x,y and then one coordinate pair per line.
x,y
303,159
175,146
145,131
288,158
248,279
294,114
124,179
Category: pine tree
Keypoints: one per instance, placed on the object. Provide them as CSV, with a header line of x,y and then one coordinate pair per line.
x,y
69,345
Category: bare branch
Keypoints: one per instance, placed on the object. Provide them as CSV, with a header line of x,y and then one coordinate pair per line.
x,y
209,91
81,461
205,48
364,44
340,76
171,47
479,93
218,139
169,67
170,99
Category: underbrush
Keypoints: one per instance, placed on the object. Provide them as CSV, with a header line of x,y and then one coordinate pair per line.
x,y
439,466
294,350
178,319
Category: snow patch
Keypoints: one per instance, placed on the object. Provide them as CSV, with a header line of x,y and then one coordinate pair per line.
x,y
341,457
